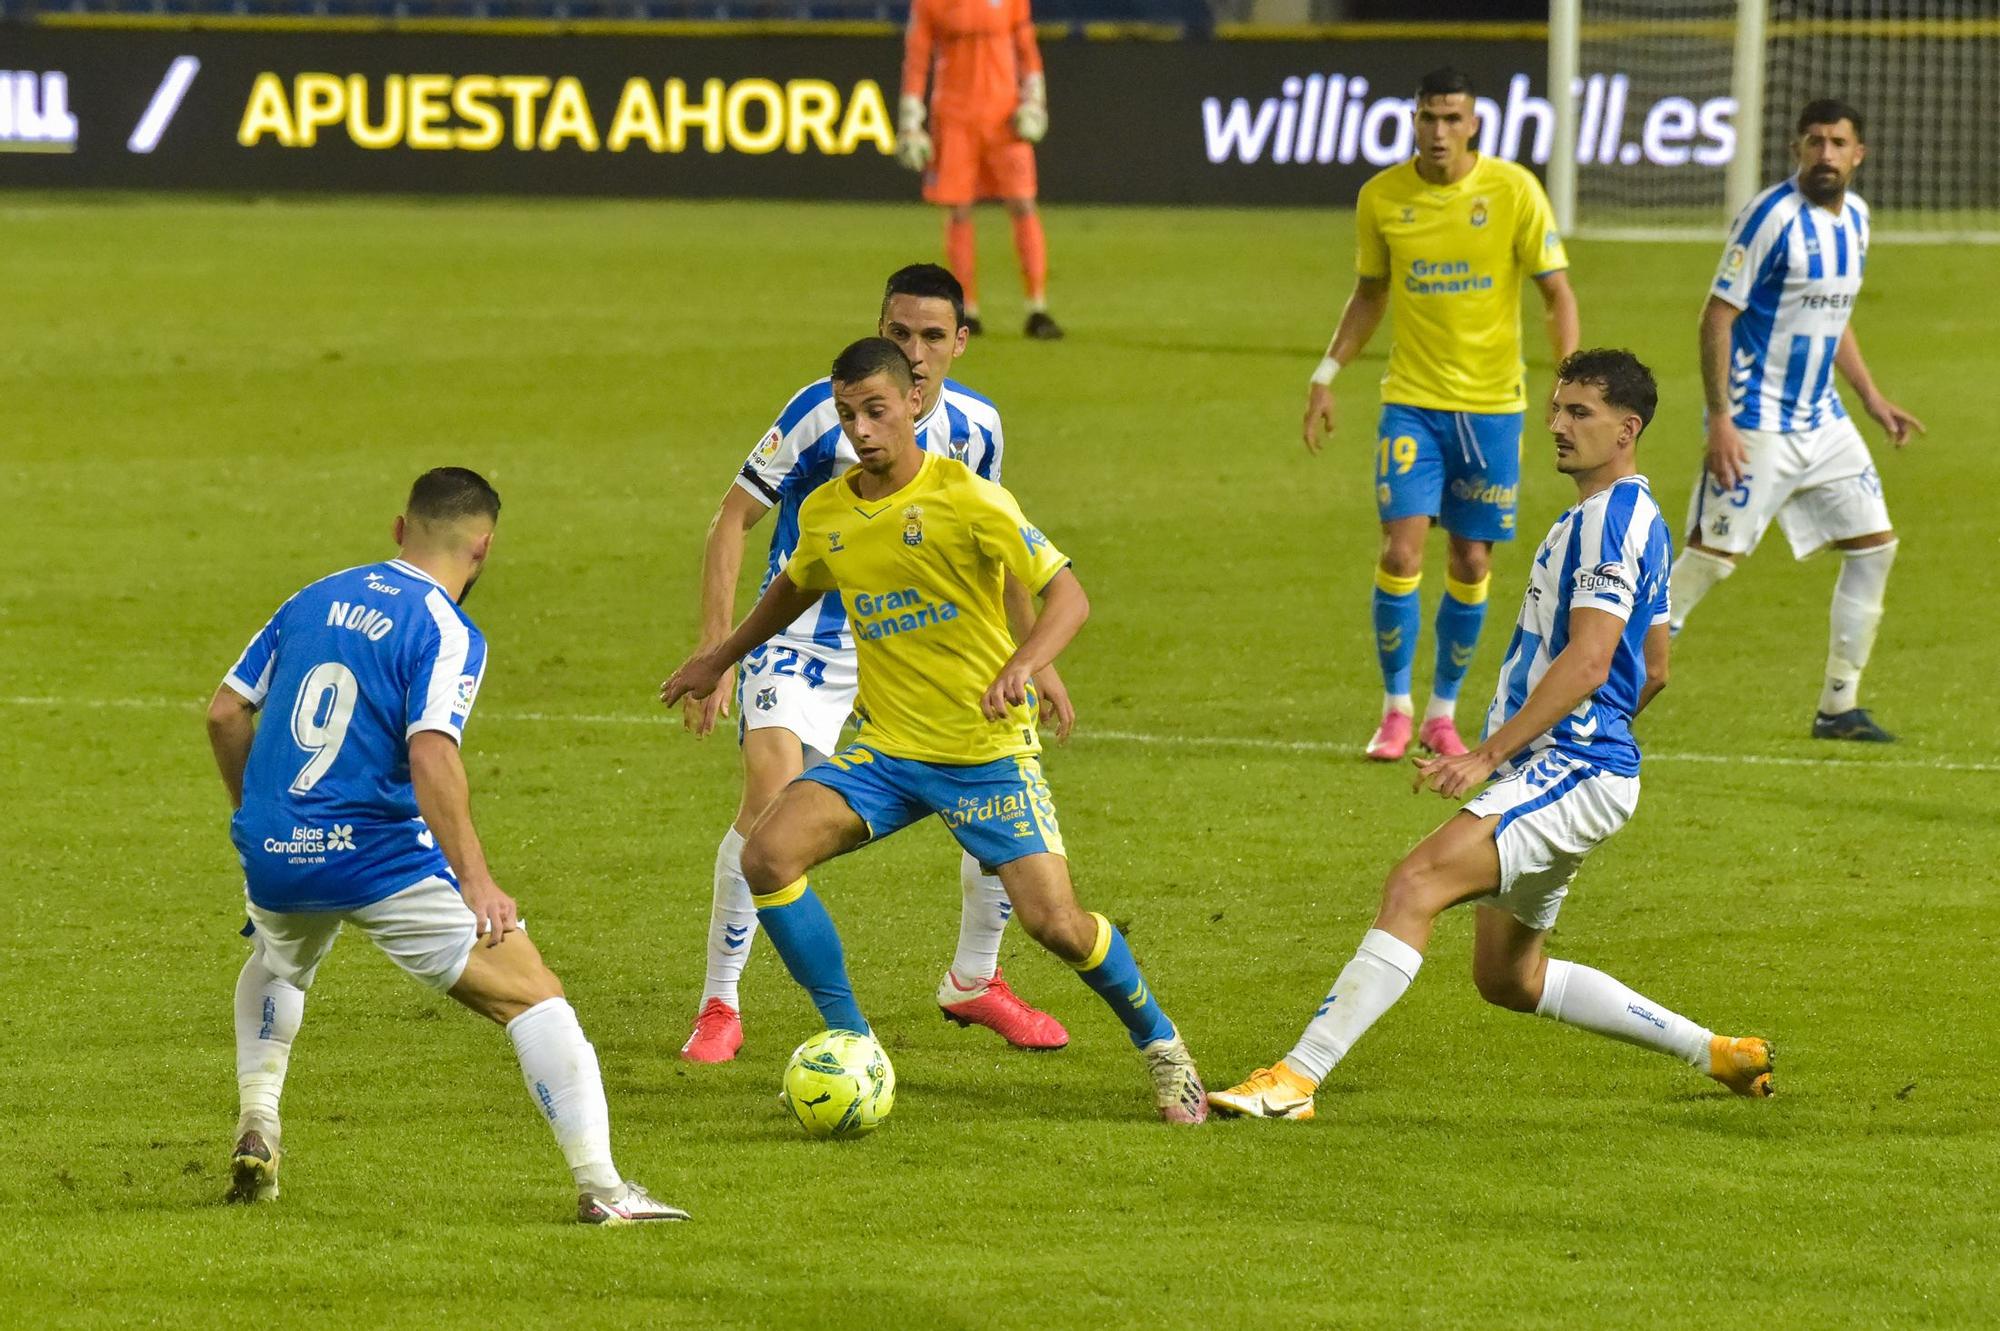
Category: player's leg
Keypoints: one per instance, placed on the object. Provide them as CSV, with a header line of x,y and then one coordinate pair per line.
x,y
1009,175
286,950
791,706
951,183
831,809
1482,468
1409,478
1458,862
1725,523
974,992
1512,970
1003,813
429,934
1839,503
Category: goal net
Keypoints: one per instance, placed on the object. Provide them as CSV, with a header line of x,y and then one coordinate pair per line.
x,y
1685,108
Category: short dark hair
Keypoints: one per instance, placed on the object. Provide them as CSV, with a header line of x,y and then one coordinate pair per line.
x,y
1619,375
871,356
1831,111
446,494
1443,83
927,281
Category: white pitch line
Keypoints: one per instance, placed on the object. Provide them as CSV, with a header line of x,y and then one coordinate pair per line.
x,y
1252,742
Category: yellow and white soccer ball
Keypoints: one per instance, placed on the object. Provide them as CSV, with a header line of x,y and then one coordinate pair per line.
x,y
839,1084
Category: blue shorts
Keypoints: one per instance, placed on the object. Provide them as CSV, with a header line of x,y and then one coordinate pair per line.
x,y
1461,467
999,811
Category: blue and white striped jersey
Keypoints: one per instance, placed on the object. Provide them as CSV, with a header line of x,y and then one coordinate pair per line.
x,y
1794,270
805,449
353,665
1611,553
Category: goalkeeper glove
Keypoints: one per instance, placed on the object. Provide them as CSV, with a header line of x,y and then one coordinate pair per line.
x,y
1031,117
913,146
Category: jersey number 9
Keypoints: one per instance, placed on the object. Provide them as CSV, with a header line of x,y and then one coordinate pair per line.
x,y
319,719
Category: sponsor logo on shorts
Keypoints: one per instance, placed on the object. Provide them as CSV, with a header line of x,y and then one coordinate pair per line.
x,y
1479,490
1012,807
311,845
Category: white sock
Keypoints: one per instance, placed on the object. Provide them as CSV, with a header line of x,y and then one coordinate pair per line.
x,y
1695,572
1857,612
1437,707
1579,996
1398,702
561,1070
732,922
1382,969
981,922
268,1012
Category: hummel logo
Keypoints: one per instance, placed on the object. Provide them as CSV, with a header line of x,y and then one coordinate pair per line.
x,y
1390,641
735,935
1461,657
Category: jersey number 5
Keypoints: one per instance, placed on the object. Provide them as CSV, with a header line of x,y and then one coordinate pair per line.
x,y
319,719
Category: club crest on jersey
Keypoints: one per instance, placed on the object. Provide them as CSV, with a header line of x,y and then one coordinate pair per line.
x,y
767,698
913,525
1479,211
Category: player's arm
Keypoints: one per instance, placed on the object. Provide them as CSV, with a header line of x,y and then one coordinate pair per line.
x,y
1656,648
721,565
782,602
1359,319
444,798
1726,450
1578,671
1892,418
232,725
1064,609
1049,686
1031,115
1559,313
913,144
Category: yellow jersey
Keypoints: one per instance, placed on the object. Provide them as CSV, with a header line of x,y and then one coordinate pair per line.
x,y
1453,256
920,572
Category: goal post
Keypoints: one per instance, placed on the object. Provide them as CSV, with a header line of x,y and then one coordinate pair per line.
x,y
1679,111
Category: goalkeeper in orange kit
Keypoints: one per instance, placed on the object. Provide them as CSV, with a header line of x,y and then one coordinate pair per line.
x,y
988,108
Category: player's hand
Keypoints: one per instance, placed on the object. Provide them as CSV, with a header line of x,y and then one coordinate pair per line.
x,y
1726,452
1453,778
1008,691
1894,419
493,910
1031,116
1319,417
913,145
696,678
699,715
1056,706
913,149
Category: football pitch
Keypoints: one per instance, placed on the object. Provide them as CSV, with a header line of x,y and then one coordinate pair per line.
x,y
209,403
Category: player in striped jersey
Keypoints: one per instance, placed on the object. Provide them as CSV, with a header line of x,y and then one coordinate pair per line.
x,y
351,808
1589,651
795,692
1780,444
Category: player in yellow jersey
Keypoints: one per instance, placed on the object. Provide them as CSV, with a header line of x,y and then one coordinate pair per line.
x,y
919,548
1441,244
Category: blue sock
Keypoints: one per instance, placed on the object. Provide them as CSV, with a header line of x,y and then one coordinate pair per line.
x,y
1461,614
1398,619
796,922
1111,971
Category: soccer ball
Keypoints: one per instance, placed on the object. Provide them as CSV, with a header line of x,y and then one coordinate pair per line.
x,y
839,1084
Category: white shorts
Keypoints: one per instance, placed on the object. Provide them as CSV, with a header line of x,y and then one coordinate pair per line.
x,y
1821,486
426,929
789,687
1553,812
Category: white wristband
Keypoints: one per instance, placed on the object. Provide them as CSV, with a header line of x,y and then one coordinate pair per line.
x,y
1328,367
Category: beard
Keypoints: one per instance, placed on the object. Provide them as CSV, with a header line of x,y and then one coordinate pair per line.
x,y
1821,184
470,583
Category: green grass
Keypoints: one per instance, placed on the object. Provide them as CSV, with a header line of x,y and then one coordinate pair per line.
x,y
209,403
